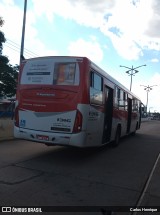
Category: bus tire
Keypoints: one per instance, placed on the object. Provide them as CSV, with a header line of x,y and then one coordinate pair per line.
x,y
117,137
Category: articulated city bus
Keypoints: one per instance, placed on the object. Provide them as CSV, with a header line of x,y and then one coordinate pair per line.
x,y
70,101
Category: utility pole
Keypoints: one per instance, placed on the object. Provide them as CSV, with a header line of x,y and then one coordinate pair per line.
x,y
148,89
23,32
131,72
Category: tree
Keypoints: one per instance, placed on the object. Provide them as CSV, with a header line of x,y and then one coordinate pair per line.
x,y
1,21
8,73
2,37
8,77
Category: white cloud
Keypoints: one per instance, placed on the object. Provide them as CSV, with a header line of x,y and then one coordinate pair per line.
x,y
136,21
154,22
156,79
13,17
83,12
11,28
90,49
154,60
127,24
10,12
126,47
96,6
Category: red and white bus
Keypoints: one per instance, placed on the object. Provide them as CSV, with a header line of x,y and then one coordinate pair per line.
x,y
70,101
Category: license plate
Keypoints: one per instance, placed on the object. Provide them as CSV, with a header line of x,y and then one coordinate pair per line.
x,y
42,137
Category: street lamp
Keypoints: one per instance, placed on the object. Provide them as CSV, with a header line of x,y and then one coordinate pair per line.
x,y
23,31
131,72
148,89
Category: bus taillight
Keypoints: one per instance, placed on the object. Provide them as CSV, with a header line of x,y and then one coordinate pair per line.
x,y
78,122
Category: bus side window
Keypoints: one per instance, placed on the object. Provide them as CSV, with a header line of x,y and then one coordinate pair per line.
x,y
96,88
121,100
125,101
117,97
135,105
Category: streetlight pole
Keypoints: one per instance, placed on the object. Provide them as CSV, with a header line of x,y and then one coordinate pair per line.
x,y
148,89
131,72
23,30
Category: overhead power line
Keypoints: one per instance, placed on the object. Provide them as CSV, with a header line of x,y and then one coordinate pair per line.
x,y
16,47
27,50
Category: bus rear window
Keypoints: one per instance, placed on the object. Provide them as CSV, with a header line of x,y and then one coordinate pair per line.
x,y
48,72
65,74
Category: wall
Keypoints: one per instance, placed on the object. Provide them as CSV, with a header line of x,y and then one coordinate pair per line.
x,y
6,128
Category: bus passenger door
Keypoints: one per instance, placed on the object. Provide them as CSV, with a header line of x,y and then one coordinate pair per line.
x,y
108,114
129,115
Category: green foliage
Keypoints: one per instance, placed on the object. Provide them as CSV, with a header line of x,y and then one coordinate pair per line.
x,y
2,37
8,77
2,40
1,21
8,73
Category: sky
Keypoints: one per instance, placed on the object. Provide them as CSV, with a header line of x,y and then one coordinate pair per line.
x,y
109,32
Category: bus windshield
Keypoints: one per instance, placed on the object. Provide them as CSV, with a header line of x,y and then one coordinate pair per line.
x,y
48,72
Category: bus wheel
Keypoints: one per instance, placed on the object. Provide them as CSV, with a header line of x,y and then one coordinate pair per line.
x,y
117,137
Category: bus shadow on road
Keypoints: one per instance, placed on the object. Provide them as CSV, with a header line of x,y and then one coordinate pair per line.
x,y
80,156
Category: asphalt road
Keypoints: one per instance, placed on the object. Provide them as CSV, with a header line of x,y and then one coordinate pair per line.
x,y
32,174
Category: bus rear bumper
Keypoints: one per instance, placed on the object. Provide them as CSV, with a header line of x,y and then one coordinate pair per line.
x,y
48,138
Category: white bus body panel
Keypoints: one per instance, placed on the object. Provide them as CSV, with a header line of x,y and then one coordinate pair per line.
x,y
37,127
